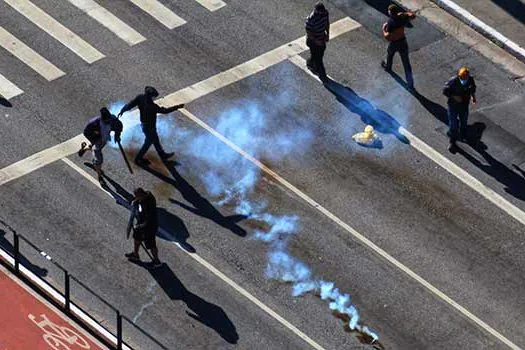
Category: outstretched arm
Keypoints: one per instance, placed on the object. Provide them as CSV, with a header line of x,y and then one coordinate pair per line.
x,y
164,110
132,104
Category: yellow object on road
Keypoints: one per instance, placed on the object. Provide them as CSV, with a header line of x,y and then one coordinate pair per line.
x,y
367,137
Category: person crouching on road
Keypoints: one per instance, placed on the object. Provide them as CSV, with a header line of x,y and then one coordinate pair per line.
x,y
147,225
394,32
97,131
148,119
460,90
317,27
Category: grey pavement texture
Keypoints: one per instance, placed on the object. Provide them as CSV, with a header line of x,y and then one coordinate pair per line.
x,y
395,196
506,16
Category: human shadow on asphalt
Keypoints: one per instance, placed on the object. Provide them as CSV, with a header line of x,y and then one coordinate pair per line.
x,y
173,228
8,247
199,205
4,102
438,111
203,311
177,232
515,8
514,183
379,119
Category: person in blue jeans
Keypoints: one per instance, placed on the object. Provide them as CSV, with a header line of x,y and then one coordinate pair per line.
x,y
148,119
460,90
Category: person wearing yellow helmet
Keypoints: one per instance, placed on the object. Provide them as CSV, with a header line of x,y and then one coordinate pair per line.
x,y
460,90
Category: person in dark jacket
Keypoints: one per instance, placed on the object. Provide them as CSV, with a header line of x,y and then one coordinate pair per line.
x,y
460,90
148,119
394,32
317,27
97,131
147,225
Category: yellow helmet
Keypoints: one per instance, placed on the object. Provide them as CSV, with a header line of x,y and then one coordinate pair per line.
x,y
463,72
369,129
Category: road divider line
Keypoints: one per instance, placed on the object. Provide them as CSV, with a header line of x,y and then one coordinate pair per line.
x,y
185,95
109,20
27,55
8,89
160,12
438,159
40,159
214,270
50,25
212,5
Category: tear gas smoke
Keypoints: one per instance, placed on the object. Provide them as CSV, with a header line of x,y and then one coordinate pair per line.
x,y
229,178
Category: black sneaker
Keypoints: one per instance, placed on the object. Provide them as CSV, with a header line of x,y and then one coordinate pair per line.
x,y
142,162
167,155
453,148
388,70
132,256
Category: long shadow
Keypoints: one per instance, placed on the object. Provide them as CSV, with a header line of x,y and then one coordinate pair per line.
x,y
174,229
8,247
4,102
379,119
515,8
199,205
438,111
513,182
203,311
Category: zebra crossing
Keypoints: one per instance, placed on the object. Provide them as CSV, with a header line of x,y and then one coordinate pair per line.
x,y
29,11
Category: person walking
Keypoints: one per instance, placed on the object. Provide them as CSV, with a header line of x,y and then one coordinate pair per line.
x,y
317,27
146,228
460,90
98,131
394,32
148,119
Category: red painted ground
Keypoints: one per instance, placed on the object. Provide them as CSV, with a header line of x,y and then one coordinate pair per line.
x,y
27,323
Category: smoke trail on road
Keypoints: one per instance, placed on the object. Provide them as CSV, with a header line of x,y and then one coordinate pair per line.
x,y
231,179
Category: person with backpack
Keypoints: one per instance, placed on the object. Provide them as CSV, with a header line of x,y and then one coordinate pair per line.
x,y
460,90
317,27
97,131
394,32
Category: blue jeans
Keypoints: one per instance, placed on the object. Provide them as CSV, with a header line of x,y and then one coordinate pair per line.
x,y
150,138
457,121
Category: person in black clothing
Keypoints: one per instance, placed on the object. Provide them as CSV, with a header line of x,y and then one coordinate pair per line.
x,y
97,131
460,90
317,27
147,225
394,32
148,119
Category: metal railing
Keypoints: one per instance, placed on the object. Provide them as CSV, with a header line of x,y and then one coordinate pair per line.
x,y
62,297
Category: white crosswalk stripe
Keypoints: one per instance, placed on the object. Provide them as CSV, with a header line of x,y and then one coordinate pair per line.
x,y
109,20
27,55
160,12
65,36
212,5
8,89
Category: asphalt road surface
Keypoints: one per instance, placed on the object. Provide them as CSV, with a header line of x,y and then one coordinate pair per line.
x,y
431,258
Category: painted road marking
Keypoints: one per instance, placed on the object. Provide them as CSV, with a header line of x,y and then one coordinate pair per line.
x,y
109,20
214,271
160,12
40,159
438,159
50,25
8,89
27,55
185,95
212,5
59,298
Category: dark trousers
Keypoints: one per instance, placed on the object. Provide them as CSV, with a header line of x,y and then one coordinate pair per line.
x,y
150,138
400,46
457,121
315,62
